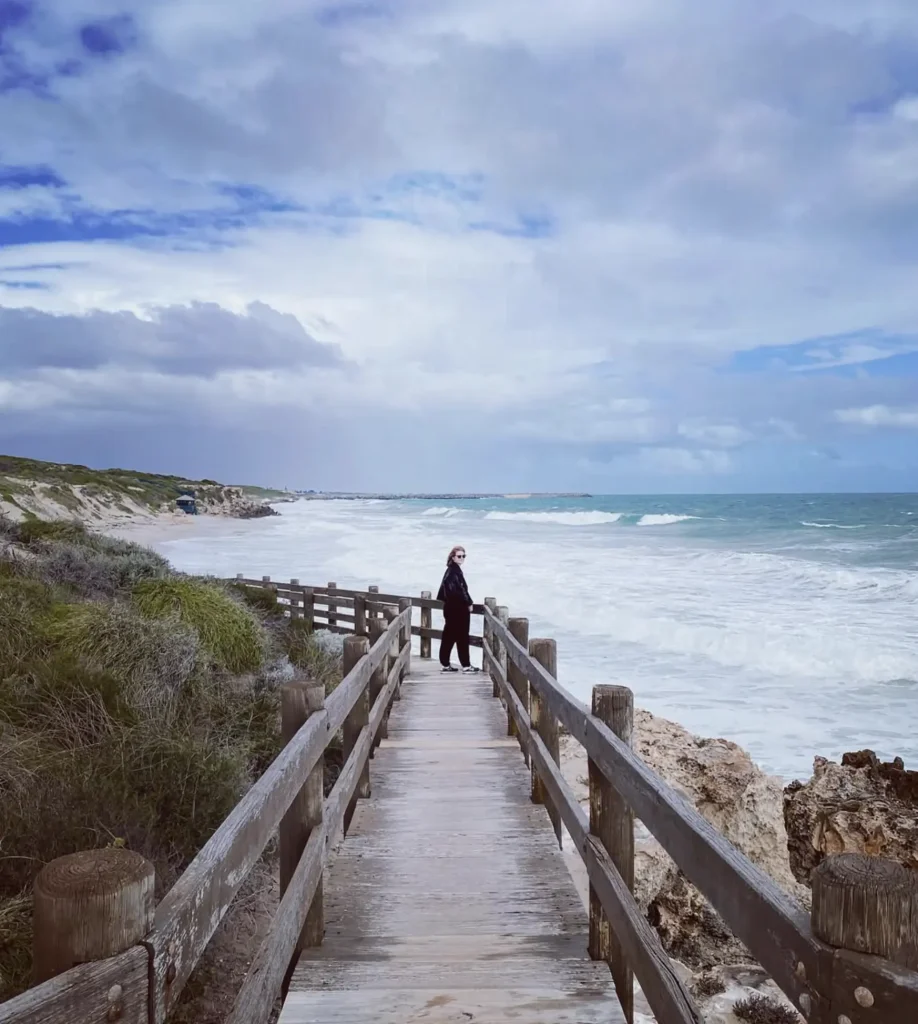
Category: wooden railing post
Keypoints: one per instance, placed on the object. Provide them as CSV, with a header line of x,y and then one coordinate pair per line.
x,y
360,615
868,905
503,617
309,609
404,605
355,648
612,822
488,640
426,623
294,601
519,628
332,606
89,906
299,701
379,677
545,652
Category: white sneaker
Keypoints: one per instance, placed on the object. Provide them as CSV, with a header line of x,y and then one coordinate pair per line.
x,y
470,668
448,668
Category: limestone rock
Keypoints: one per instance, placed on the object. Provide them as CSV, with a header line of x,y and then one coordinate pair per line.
x,y
859,806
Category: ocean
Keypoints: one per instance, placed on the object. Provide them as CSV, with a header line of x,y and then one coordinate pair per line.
x,y
788,624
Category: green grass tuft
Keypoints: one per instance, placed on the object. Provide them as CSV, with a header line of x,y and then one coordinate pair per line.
x,y
157,657
228,631
32,530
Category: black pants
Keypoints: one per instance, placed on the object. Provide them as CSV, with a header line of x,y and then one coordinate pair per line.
x,y
455,632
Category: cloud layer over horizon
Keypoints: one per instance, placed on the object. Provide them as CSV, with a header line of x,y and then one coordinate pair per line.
x,y
650,247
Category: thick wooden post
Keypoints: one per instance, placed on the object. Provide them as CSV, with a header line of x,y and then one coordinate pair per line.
x,y
294,600
299,701
519,628
332,606
545,652
379,677
309,609
612,822
488,639
89,906
360,615
404,605
355,648
503,617
426,623
868,905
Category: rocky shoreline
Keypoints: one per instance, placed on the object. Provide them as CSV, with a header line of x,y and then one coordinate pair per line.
x,y
859,806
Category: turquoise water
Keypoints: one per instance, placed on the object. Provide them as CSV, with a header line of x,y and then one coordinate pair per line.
x,y
786,623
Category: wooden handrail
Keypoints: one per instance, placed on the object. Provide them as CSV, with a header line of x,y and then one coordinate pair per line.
x,y
776,929
143,983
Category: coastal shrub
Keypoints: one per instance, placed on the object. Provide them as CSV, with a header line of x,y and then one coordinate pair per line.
x,y
160,793
228,631
23,604
64,700
32,530
261,598
307,652
760,1009
155,656
93,568
16,943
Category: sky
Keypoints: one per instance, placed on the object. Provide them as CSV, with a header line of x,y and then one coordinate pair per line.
x,y
657,246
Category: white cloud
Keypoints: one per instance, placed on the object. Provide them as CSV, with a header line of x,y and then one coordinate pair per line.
x,y
879,416
714,177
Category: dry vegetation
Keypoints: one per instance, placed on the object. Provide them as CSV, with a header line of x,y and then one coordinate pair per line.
x,y
759,1009
136,707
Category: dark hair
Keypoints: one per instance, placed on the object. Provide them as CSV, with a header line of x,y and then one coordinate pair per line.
x,y
458,547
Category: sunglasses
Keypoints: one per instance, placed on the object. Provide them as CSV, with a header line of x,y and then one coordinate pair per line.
x,y
459,556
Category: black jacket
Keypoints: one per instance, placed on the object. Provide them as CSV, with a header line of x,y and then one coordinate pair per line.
x,y
453,592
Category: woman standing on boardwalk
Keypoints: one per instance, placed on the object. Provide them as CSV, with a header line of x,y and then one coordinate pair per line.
x,y
457,613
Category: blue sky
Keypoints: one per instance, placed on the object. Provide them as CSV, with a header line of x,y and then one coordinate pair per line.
x,y
669,246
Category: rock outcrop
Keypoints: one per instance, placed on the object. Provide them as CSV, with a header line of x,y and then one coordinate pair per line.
x,y
862,805
743,803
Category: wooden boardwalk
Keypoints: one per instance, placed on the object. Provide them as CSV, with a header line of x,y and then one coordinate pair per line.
x,y
449,901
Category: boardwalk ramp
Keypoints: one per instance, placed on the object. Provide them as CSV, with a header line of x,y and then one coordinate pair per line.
x,y
449,900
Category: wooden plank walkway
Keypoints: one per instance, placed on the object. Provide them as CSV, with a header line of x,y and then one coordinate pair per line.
x,y
449,901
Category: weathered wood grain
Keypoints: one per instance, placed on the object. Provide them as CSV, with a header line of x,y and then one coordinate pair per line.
x,y
193,908
665,992
112,989
868,905
773,926
545,652
612,824
88,906
265,977
449,893
299,701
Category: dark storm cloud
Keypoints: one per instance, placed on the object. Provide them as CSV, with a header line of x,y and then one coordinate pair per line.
x,y
200,339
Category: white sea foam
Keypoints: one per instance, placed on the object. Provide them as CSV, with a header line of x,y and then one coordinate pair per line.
x,y
662,520
557,518
832,526
438,510
788,656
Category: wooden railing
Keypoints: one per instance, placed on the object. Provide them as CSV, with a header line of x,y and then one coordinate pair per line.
x,y
829,985
140,981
